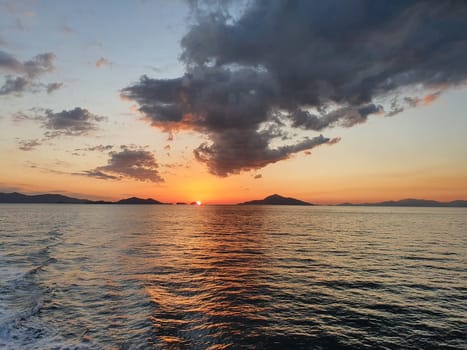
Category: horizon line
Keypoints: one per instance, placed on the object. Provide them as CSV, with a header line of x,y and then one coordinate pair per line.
x,y
191,202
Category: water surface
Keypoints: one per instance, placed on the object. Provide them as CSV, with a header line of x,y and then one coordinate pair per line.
x,y
232,277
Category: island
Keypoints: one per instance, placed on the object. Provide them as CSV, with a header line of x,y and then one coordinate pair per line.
x,y
276,199
16,197
136,200
411,202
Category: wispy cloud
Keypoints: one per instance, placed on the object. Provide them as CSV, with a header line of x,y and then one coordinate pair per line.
x,y
51,87
102,62
29,145
97,148
65,29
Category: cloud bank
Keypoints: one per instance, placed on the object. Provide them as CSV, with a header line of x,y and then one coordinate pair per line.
x,y
281,66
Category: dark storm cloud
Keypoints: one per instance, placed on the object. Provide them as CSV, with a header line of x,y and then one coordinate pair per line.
x,y
206,99
234,151
346,117
137,164
306,65
29,72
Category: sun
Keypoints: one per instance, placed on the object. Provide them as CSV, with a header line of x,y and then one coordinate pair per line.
x,y
198,203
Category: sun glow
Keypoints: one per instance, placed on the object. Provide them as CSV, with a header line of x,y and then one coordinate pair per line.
x,y
198,203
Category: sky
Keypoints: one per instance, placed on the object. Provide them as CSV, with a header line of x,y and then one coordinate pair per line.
x,y
228,101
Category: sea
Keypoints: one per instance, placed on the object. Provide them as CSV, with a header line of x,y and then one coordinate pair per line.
x,y
232,277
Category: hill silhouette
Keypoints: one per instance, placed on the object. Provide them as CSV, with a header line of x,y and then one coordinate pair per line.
x,y
16,197
276,199
411,202
136,200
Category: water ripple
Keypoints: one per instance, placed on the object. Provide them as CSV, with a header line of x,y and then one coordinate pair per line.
x,y
107,277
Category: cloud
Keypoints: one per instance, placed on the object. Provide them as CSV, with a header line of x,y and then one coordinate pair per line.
x,y
98,175
14,85
29,72
51,87
232,152
102,62
255,79
345,117
29,145
399,105
19,8
97,148
74,122
65,29
34,67
130,163
8,62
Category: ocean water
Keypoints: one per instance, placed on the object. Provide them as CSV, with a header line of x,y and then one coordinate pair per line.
x,y
232,277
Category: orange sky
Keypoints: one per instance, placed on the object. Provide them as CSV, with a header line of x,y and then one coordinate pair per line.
x,y
72,123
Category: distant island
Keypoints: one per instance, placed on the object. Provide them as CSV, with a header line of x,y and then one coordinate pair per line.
x,y
136,200
410,202
275,199
16,197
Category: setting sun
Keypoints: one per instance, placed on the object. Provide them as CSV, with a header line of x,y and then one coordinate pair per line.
x,y
198,203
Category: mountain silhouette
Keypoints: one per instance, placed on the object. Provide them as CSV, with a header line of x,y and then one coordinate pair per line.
x,y
136,200
16,197
276,199
411,202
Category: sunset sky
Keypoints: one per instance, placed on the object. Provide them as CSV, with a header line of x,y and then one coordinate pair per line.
x,y
325,101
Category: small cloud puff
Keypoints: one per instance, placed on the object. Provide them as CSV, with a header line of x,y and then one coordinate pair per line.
x,y
102,62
